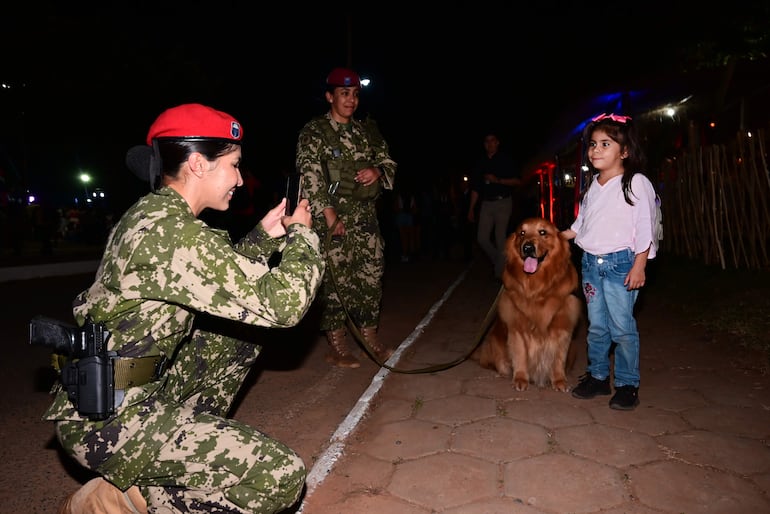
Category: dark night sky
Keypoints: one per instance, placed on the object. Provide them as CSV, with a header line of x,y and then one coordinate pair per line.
x,y
95,80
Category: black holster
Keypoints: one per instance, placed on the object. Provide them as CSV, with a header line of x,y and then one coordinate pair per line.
x,y
90,386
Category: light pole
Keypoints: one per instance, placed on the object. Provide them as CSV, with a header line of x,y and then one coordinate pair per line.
x,y
85,178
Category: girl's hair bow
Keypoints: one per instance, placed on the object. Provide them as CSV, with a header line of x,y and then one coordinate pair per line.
x,y
613,117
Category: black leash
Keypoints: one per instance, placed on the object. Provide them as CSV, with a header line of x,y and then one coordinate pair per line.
x,y
361,340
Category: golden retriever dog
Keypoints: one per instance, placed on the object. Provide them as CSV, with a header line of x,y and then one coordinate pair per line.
x,y
537,310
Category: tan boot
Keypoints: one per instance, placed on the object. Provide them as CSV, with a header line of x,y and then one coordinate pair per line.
x,y
339,355
370,336
98,496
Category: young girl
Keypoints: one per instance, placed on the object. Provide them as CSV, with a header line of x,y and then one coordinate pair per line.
x,y
615,229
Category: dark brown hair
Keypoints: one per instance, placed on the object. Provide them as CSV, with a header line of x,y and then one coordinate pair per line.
x,y
623,133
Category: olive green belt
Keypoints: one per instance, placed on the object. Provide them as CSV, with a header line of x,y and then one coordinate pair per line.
x,y
128,371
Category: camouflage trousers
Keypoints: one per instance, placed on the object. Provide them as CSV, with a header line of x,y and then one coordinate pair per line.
x,y
355,267
179,447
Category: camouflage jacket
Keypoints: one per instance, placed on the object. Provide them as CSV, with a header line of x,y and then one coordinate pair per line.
x,y
162,265
356,142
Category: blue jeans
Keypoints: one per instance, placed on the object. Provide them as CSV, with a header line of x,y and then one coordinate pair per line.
x,y
611,316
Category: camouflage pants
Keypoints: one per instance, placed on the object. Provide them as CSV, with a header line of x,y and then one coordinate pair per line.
x,y
355,267
222,466
181,451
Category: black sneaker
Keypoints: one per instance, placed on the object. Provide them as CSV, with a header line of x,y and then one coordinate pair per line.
x,y
590,387
625,398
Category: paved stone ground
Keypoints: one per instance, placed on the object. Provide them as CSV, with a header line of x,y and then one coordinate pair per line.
x,y
463,441
459,440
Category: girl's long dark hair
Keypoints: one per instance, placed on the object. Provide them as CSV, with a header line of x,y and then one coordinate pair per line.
x,y
624,134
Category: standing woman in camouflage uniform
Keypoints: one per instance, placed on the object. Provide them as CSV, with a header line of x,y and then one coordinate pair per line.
x,y
344,164
170,447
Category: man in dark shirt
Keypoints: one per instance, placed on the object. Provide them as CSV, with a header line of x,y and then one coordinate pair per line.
x,y
493,179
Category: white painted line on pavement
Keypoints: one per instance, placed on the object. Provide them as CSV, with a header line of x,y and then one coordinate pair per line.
x,y
334,451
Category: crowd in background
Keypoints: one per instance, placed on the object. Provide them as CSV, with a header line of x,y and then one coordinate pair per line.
x,y
419,218
44,227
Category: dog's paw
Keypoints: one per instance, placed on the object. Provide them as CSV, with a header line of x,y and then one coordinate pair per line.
x,y
561,385
520,382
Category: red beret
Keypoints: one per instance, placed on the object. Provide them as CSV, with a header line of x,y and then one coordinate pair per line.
x,y
343,77
195,121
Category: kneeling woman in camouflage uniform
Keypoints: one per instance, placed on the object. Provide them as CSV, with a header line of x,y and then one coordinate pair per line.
x,y
169,446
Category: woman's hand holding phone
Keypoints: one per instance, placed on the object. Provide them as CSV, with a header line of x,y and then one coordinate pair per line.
x,y
301,214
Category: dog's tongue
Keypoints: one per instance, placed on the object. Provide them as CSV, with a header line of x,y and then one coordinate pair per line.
x,y
530,264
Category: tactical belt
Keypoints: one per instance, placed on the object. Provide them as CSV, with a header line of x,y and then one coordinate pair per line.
x,y
129,371
137,371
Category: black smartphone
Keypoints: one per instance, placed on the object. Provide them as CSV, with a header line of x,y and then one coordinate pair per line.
x,y
293,192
